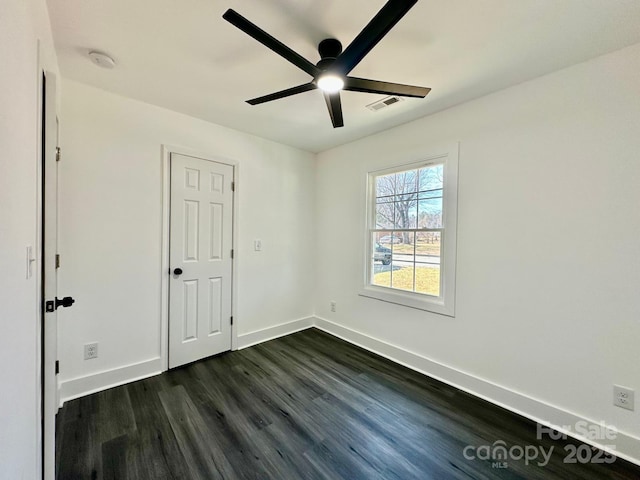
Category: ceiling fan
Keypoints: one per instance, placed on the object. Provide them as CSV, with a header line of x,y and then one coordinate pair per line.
x,y
331,73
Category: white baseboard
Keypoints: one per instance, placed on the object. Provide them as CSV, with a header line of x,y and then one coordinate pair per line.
x,y
626,446
96,382
259,336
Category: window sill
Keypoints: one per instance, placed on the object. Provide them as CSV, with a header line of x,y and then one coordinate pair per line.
x,y
408,299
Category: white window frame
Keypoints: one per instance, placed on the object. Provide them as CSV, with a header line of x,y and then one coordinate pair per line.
x,y
445,303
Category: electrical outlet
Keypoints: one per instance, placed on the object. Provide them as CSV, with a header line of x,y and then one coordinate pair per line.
x,y
257,245
623,397
91,351
333,306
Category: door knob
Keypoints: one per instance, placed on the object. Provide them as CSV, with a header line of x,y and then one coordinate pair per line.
x,y
53,305
64,302
177,271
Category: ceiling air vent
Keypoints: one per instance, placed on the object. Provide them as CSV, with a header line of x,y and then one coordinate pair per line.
x,y
384,103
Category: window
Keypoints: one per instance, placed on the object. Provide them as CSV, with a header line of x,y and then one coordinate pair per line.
x,y
411,234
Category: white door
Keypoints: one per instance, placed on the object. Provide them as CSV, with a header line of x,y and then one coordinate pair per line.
x,y
49,250
200,259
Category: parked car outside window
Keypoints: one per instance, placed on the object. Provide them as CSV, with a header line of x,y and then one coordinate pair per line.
x,y
382,254
391,239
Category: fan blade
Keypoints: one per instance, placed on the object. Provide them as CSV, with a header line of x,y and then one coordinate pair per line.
x,y
335,108
369,37
305,87
355,84
268,41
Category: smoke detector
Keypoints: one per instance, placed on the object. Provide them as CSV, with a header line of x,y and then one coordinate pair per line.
x,y
102,59
384,103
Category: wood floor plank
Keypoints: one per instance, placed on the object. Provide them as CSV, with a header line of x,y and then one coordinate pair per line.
x,y
386,455
336,464
203,461
303,407
114,414
114,458
154,450
242,405
76,460
233,431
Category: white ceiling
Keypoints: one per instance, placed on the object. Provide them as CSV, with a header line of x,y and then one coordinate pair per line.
x,y
180,54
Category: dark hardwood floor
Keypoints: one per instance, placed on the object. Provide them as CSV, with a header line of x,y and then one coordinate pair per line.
x,y
306,406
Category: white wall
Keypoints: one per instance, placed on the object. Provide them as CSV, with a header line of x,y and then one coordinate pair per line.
x,y
548,238
111,229
22,24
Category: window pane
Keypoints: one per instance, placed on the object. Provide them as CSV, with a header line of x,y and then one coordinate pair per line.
x,y
389,238
402,278
398,184
381,261
430,213
428,279
402,189
386,185
403,262
427,266
385,214
406,182
405,215
431,177
401,242
406,198
428,243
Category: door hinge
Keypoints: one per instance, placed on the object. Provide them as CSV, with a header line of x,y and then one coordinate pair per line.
x,y
233,186
57,367
58,152
232,253
57,260
232,320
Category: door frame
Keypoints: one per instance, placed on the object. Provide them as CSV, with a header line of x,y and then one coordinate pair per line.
x,y
167,150
48,120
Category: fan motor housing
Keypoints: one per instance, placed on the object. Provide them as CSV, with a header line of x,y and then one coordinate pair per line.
x,y
329,49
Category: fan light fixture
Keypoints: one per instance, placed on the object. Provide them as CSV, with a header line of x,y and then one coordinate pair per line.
x,y
330,83
331,73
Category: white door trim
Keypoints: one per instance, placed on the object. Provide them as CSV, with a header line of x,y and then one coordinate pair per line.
x,y
167,150
47,229
37,271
